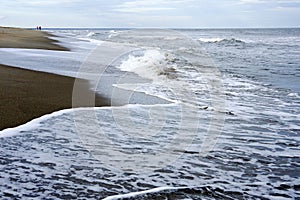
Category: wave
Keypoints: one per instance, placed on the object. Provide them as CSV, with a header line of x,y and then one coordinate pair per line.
x,y
294,94
222,41
102,35
91,34
94,41
113,33
182,193
210,40
151,64
135,194
37,122
10,132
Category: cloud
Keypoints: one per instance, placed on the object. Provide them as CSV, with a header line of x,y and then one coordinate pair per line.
x,y
288,1
151,13
151,21
142,6
272,5
47,2
252,1
289,4
142,9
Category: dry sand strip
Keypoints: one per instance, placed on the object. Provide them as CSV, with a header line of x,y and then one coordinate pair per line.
x,y
26,94
30,39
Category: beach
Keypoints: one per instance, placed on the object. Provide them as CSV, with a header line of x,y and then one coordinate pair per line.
x,y
176,124
27,94
30,39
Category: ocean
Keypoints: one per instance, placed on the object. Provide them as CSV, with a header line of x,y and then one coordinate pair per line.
x,y
196,114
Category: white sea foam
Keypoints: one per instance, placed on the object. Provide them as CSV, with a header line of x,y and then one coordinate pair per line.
x,y
293,95
35,123
210,39
152,89
152,64
98,42
134,194
90,34
241,84
10,132
225,40
113,33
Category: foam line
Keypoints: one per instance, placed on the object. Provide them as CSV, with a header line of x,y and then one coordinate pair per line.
x,y
98,42
15,131
134,194
10,132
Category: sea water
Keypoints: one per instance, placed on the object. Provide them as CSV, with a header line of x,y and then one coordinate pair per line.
x,y
197,114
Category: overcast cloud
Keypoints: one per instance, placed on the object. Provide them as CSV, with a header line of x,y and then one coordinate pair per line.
x,y
151,13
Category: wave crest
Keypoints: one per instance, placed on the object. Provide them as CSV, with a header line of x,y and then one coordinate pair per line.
x,y
225,41
91,34
151,64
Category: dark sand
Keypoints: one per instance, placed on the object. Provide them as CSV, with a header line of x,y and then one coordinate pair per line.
x,y
26,94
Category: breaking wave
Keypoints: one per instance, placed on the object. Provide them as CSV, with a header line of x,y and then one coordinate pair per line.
x,y
152,64
225,41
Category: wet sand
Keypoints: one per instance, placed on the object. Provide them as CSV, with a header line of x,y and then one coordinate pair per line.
x,y
30,39
27,94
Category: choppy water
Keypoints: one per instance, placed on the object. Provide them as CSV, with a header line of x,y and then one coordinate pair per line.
x,y
212,114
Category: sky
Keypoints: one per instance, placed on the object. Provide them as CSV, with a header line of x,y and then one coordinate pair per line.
x,y
151,13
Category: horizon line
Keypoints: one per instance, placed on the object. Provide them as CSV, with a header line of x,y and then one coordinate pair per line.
x,y
164,27
187,28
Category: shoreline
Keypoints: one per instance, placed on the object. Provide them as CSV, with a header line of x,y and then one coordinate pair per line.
x,y
27,94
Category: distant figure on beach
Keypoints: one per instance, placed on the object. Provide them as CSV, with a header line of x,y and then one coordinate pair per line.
x,y
38,28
